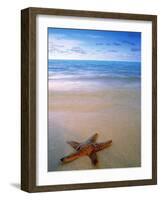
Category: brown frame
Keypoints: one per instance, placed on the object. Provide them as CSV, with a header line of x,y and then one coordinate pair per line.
x,y
28,98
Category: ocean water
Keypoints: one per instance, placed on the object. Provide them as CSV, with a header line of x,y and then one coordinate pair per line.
x,y
91,74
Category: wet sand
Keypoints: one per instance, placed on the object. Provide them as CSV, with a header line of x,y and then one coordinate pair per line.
x,y
114,113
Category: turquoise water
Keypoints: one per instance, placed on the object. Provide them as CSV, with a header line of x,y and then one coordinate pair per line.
x,y
83,73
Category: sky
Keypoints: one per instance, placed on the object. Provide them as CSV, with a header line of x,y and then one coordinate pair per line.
x,y
93,45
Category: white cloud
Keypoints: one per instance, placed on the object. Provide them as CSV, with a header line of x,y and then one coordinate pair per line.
x,y
59,46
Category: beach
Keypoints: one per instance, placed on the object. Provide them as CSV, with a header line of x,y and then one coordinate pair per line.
x,y
87,97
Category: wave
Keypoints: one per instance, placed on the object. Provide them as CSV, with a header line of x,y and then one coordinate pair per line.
x,y
88,74
93,77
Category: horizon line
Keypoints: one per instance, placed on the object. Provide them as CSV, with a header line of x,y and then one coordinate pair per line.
x,y
97,60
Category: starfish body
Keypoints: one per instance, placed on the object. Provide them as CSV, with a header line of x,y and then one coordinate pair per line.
x,y
87,148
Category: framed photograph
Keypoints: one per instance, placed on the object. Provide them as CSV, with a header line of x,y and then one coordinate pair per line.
x,y
89,99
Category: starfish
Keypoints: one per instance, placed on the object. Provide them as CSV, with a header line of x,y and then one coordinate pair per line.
x,y
87,148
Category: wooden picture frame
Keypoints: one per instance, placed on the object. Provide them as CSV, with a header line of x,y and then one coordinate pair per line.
x,y
28,99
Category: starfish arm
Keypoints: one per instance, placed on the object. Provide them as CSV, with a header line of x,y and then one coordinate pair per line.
x,y
70,157
93,158
93,138
102,145
74,144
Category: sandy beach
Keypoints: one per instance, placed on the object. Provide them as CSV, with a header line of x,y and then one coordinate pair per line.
x,y
113,112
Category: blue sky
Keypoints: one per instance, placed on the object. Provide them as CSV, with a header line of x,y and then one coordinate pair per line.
x,y
94,45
